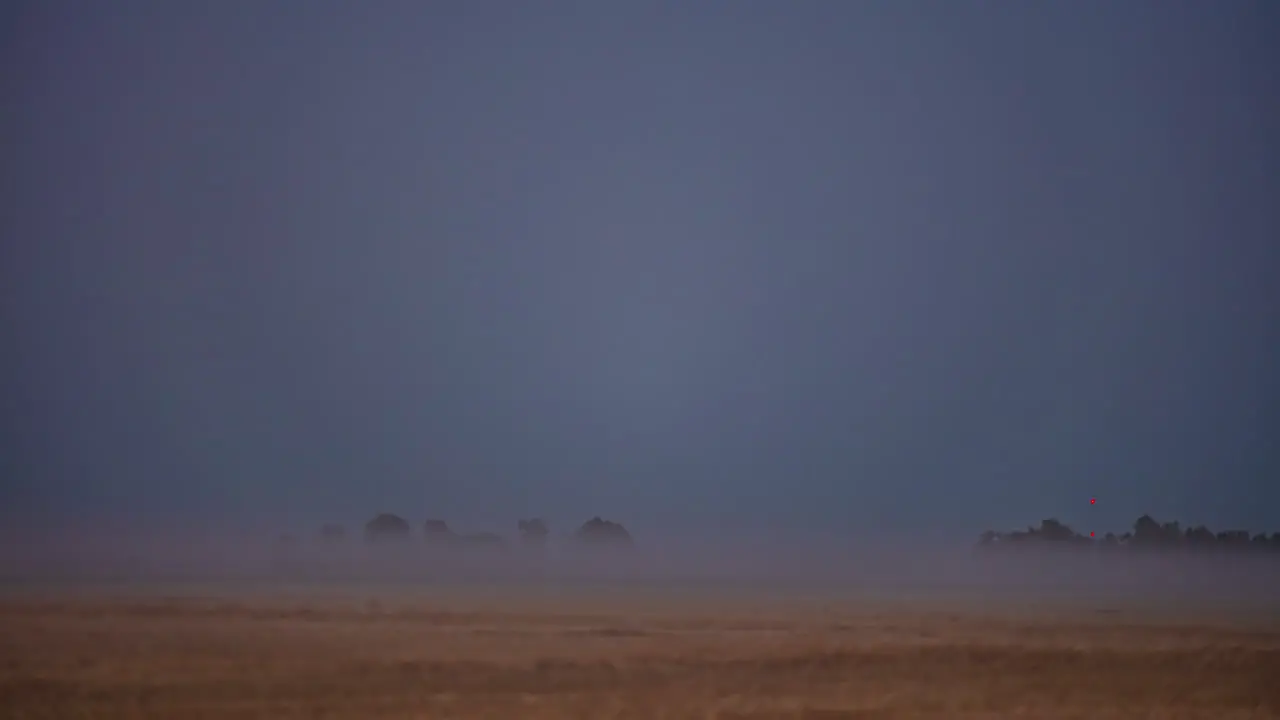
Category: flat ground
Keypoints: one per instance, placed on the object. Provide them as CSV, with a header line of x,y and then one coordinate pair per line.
x,y
619,654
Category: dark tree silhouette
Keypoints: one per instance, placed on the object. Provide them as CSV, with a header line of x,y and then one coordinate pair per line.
x,y
386,527
1148,534
1051,530
603,533
437,533
1146,531
1200,536
1054,531
1234,538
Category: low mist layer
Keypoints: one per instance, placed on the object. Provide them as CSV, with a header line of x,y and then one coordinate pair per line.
x,y
893,567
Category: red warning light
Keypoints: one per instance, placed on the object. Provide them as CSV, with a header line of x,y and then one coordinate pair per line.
x,y
1090,534
1093,501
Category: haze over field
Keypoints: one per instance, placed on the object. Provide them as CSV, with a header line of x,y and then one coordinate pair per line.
x,y
807,295
939,576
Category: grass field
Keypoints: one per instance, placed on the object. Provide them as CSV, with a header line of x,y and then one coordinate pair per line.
x,y
618,654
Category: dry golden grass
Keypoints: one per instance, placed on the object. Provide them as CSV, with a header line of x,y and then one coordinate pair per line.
x,y
455,655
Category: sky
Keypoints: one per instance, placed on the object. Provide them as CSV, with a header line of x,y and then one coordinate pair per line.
x,y
850,266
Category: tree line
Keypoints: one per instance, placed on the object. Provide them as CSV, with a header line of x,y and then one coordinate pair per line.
x,y
1147,532
387,528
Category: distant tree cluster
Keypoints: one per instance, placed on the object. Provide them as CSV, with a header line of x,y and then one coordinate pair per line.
x,y
603,533
387,528
1147,533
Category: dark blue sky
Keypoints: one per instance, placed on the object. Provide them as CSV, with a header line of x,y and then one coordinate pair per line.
x,y
847,264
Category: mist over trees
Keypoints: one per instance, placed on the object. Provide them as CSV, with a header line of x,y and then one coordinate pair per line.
x,y
386,528
603,533
533,533
394,547
1147,534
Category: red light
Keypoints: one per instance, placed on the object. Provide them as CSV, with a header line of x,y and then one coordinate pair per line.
x,y
1090,534
1092,500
